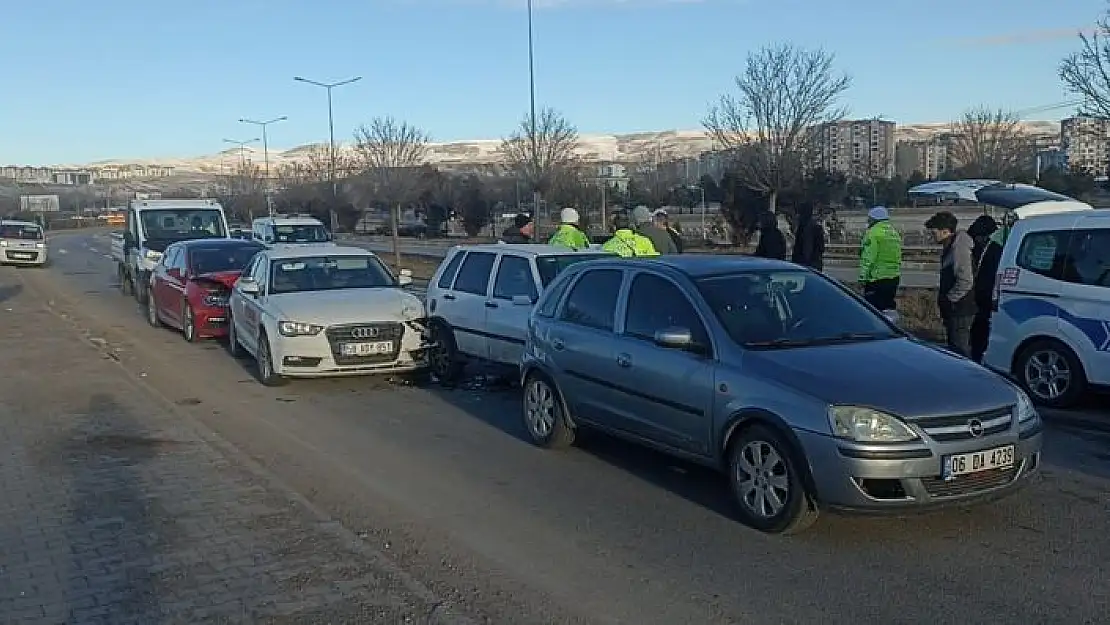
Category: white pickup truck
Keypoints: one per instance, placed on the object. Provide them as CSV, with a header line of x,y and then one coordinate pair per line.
x,y
150,227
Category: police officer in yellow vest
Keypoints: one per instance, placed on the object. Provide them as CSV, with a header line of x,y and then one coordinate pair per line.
x,y
627,243
568,235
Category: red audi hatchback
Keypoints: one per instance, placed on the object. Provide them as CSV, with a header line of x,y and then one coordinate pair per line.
x,y
189,288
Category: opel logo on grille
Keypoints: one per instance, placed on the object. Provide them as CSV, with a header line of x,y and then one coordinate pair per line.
x,y
975,427
364,333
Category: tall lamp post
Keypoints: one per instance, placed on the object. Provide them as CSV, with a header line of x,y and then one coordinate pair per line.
x,y
242,156
331,136
266,153
532,119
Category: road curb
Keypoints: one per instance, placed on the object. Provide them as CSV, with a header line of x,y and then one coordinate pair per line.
x,y
441,612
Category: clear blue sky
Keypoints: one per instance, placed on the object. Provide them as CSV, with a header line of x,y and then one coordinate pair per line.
x,y
139,78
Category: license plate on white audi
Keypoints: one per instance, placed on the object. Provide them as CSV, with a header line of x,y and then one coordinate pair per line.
x,y
976,461
376,348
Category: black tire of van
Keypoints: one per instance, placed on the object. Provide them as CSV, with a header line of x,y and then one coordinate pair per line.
x,y
141,287
126,286
1077,384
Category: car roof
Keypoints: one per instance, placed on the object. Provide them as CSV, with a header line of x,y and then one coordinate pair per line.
x,y
1052,221
310,251
290,221
525,249
702,265
218,242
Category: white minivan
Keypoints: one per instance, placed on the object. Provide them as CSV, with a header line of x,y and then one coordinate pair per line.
x,y
1050,329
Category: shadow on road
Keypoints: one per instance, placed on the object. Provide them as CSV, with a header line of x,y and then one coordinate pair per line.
x,y
9,291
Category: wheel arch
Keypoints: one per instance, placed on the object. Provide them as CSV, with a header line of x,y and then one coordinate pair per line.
x,y
745,418
1026,342
534,368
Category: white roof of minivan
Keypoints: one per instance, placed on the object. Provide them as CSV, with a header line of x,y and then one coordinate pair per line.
x,y
14,222
297,220
1094,218
1025,200
525,249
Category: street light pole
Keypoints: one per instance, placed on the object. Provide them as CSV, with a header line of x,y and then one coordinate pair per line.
x,y
532,123
331,137
242,154
266,153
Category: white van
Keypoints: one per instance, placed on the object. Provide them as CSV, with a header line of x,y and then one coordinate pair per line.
x,y
289,230
1050,329
22,243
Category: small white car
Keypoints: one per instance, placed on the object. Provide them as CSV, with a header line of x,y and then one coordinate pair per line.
x,y
480,297
290,230
304,311
22,243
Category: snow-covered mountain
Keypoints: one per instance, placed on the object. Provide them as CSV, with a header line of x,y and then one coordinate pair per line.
x,y
623,148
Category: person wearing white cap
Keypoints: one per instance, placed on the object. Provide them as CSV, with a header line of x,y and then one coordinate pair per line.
x,y
568,234
880,261
642,222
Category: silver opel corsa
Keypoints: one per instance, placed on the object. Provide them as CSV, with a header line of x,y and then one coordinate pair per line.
x,y
806,397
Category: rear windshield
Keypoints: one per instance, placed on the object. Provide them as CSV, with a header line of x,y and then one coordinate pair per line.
x,y
30,233
301,233
551,266
220,258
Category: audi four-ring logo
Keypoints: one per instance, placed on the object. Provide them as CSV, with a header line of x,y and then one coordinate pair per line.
x,y
975,426
364,333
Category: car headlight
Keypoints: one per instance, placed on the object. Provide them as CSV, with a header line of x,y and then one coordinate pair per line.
x,y
1026,411
3,244
40,245
867,425
296,328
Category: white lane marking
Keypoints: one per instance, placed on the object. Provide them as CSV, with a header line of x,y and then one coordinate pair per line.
x,y
108,256
63,251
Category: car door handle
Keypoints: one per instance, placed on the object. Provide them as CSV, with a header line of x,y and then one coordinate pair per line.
x,y
624,360
558,344
448,296
491,304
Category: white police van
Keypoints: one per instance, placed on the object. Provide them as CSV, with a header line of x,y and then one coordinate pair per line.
x,y
290,230
1050,329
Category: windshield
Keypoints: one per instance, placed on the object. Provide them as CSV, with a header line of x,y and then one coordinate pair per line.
x,y
301,233
789,309
551,266
177,225
21,231
326,273
215,259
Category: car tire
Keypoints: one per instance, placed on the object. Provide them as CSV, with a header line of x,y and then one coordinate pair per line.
x,y
265,363
1053,358
443,355
189,324
141,289
545,413
233,346
152,316
126,287
766,480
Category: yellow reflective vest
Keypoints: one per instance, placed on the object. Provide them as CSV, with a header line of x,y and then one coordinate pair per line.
x,y
627,243
570,237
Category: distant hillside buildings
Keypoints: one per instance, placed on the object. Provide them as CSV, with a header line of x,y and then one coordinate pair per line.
x,y
84,175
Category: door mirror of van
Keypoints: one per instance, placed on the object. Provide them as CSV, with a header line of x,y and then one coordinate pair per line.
x,y
522,300
248,286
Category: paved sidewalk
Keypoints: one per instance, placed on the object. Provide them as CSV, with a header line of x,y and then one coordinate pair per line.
x,y
113,510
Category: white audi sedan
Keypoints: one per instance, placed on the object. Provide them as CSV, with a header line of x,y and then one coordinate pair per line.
x,y
317,312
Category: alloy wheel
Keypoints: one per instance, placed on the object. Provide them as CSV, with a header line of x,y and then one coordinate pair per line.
x,y
1047,374
762,480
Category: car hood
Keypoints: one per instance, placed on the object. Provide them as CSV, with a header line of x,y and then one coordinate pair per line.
x,y
225,279
348,306
900,376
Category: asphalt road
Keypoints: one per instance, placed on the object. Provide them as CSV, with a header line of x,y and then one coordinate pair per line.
x,y
443,483
436,249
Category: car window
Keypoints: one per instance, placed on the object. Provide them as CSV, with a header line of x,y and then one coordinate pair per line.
x,y
1087,260
178,259
549,301
474,273
550,266
27,232
654,304
777,309
514,277
1043,253
452,268
204,259
593,300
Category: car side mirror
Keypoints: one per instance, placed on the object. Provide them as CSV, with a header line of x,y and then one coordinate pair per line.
x,y
128,239
405,277
523,300
675,338
248,286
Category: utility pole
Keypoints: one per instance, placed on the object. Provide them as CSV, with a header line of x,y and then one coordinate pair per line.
x,y
331,137
266,154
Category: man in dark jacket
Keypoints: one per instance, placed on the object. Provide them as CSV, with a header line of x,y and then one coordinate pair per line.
x,y
520,231
771,242
663,221
986,255
643,222
809,239
955,297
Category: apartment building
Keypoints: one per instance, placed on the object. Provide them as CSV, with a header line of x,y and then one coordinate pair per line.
x,y
1086,143
928,158
27,174
860,148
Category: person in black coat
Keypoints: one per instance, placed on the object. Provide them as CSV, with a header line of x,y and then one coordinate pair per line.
x,y
519,232
772,244
986,256
809,239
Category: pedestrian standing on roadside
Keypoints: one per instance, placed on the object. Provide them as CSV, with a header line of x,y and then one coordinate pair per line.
x,y
568,234
772,244
956,296
626,242
981,231
809,239
880,260
663,221
643,224
520,231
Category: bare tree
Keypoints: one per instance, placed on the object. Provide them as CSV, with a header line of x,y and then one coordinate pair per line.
x,y
1086,73
539,151
767,126
990,143
391,154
